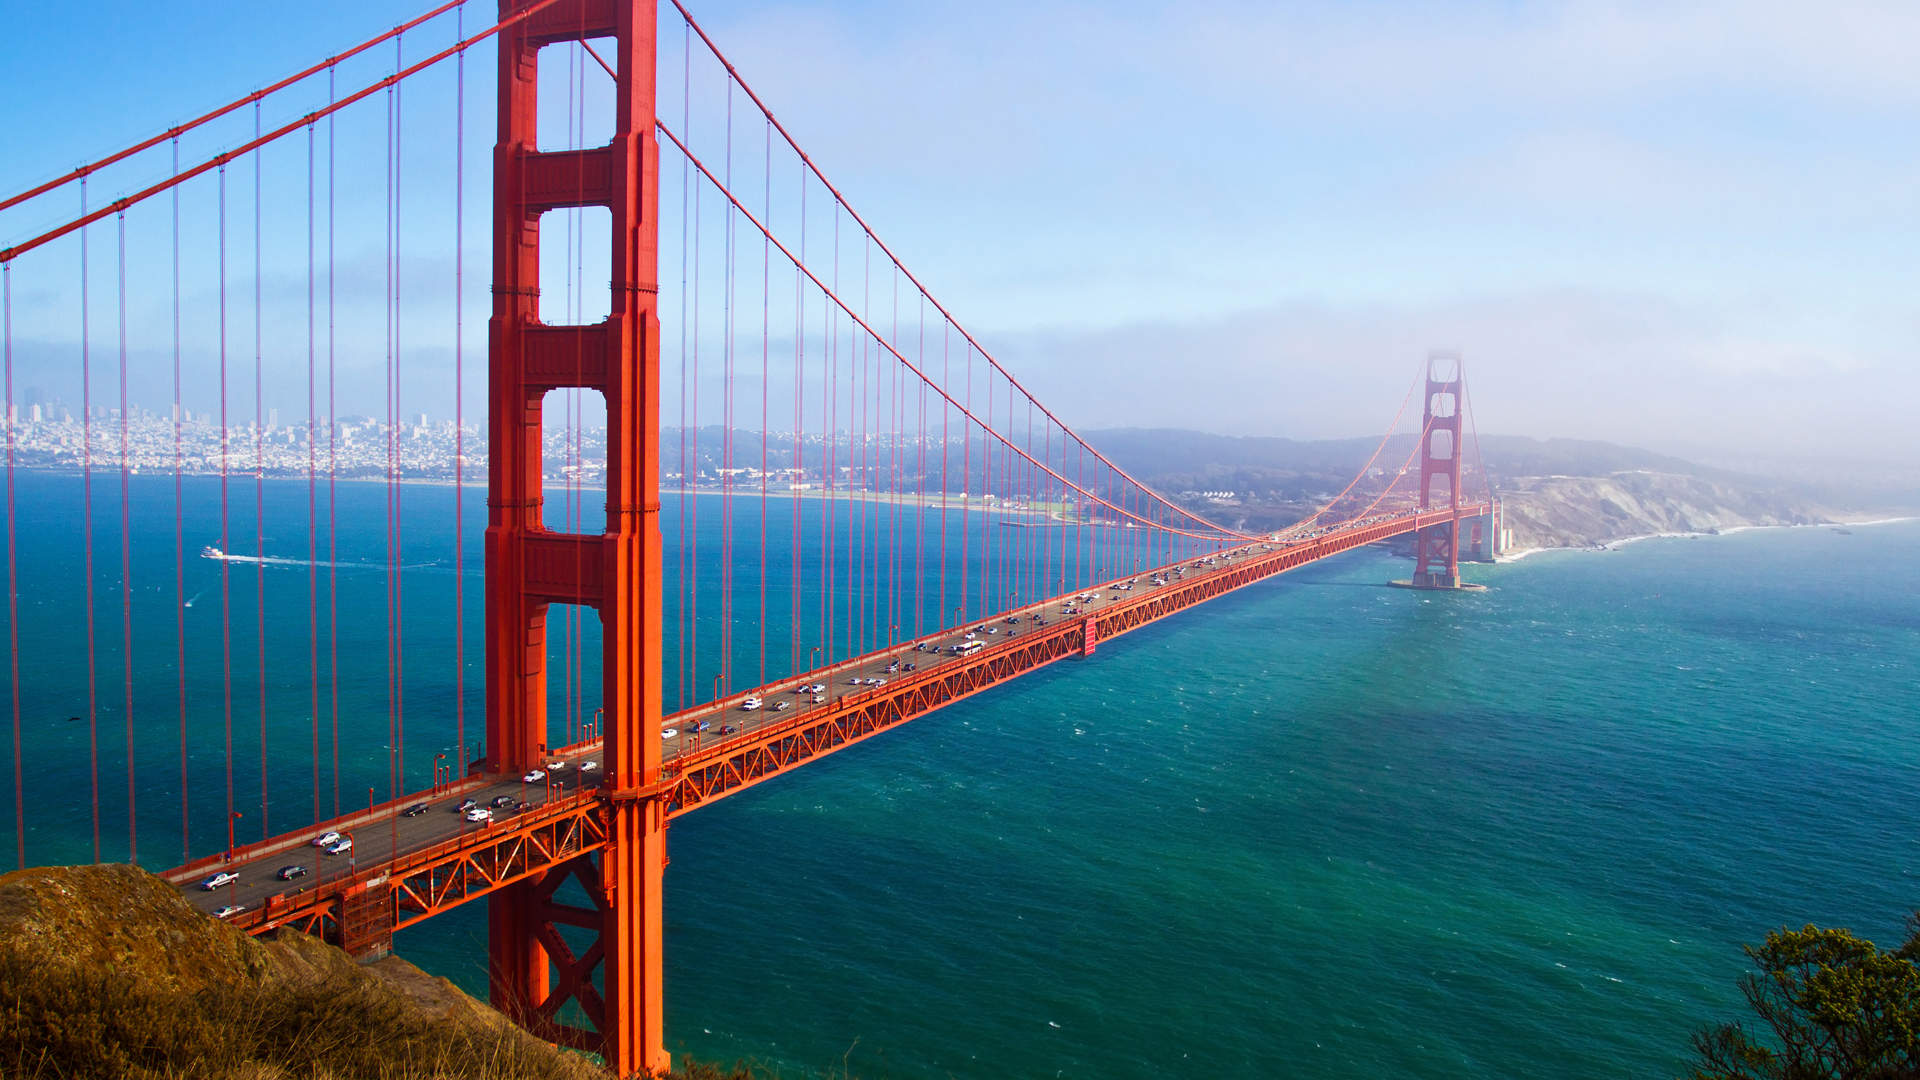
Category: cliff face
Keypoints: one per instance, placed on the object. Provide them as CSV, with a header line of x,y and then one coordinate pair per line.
x,y
105,971
1580,511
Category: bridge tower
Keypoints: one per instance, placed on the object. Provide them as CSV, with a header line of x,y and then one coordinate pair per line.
x,y
534,971
1437,563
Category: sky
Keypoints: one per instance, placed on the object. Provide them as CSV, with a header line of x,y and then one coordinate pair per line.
x,y
1686,225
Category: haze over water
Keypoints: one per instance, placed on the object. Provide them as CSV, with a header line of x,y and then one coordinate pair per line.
x,y
1316,828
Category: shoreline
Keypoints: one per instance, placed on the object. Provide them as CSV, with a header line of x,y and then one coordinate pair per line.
x,y
1620,542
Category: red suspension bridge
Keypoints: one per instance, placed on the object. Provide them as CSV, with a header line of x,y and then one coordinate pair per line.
x,y
828,509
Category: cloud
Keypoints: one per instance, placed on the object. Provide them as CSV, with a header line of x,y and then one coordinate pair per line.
x,y
1629,368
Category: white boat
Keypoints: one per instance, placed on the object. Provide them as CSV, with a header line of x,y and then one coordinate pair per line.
x,y
211,552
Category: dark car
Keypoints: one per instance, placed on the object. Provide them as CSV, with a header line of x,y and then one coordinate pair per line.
x,y
416,809
502,800
465,805
522,806
288,873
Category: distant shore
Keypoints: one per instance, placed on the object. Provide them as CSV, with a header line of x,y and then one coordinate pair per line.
x,y
1610,545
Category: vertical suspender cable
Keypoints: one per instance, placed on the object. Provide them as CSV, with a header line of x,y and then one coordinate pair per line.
x,y
799,423
86,500
393,420
459,390
766,380
226,567
333,473
693,503
259,492
126,550
686,577
399,576
13,577
313,506
179,530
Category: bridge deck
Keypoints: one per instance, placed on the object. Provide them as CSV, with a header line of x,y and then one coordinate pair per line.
x,y
436,859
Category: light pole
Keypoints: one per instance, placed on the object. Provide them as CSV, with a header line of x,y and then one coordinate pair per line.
x,y
233,886
816,658
437,771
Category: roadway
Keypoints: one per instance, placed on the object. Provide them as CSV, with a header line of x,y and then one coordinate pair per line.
x,y
378,836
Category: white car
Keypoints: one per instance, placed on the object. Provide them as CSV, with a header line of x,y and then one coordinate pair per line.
x,y
819,698
556,766
340,846
750,704
325,838
782,706
818,688
669,732
229,911
589,766
534,777
479,813
224,877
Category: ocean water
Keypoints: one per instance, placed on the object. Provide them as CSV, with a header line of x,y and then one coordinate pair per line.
x,y
1316,828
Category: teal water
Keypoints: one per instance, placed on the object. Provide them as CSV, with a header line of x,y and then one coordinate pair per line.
x,y
1316,828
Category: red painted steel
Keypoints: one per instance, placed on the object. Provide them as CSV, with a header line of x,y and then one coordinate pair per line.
x,y
618,572
1438,560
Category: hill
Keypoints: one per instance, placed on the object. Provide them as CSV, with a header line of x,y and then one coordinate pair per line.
x,y
1556,492
107,972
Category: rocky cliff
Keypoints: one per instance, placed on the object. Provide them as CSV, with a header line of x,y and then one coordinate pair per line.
x,y
1580,511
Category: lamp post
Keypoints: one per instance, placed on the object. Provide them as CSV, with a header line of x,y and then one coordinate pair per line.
x,y
437,771
816,658
233,886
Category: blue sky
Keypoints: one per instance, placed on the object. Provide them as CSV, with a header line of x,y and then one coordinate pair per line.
x,y
1687,225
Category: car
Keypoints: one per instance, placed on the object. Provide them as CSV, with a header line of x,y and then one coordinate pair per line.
x,y
465,805
502,800
534,777
857,680
668,732
479,813
702,725
728,729
325,838
416,809
229,911
340,846
522,806
819,698
589,766
556,766
782,706
288,873
224,877
818,688
750,704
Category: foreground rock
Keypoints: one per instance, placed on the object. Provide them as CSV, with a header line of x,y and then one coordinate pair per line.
x,y
106,972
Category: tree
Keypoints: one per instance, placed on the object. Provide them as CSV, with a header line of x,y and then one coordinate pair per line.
x,y
1836,1007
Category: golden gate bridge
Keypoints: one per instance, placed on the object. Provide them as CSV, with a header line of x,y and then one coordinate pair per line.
x,y
889,435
